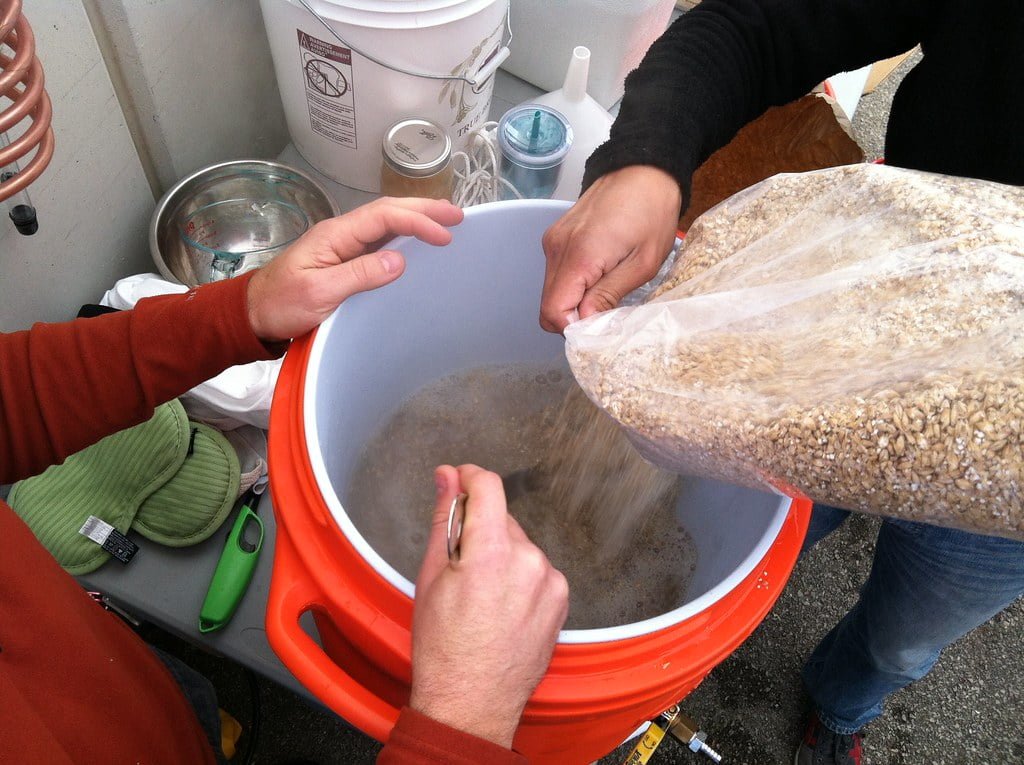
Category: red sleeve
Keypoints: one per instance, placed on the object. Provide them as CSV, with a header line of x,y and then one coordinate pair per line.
x,y
418,740
65,386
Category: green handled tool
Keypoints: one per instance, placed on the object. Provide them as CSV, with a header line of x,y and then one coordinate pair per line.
x,y
234,569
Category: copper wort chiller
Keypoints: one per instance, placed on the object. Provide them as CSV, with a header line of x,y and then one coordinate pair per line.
x,y
26,138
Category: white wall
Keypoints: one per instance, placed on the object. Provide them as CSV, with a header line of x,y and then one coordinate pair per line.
x,y
197,79
143,92
93,200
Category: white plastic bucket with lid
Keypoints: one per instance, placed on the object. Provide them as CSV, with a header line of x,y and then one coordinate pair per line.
x,y
349,69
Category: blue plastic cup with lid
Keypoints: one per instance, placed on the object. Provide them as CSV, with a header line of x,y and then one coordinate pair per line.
x,y
534,140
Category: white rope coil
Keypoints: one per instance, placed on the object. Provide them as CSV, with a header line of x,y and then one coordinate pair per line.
x,y
478,170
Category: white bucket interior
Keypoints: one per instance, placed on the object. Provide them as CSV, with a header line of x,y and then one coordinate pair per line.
x,y
474,303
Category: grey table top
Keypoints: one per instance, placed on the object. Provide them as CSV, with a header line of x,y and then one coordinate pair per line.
x,y
166,586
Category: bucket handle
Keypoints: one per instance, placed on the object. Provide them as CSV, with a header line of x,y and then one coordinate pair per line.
x,y
476,82
288,599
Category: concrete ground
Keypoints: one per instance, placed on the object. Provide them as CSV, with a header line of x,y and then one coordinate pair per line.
x,y
966,711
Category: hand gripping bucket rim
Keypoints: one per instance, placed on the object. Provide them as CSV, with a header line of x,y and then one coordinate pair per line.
x,y
595,692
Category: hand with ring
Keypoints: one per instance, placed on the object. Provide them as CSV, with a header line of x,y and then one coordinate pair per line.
x,y
484,623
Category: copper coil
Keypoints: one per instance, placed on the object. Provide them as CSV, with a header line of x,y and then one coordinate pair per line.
x,y
21,82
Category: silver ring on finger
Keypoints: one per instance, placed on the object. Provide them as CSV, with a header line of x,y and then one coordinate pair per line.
x,y
456,519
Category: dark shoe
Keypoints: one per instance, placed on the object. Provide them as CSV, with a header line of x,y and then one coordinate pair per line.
x,y
822,746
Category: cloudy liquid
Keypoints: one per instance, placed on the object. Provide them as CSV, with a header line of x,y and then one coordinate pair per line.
x,y
501,418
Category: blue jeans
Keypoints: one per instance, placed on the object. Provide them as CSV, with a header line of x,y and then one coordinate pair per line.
x,y
928,587
201,696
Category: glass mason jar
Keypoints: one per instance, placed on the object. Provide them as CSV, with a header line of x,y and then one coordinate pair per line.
x,y
417,156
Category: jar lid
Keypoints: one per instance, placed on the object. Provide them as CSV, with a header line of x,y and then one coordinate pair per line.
x,y
534,135
417,147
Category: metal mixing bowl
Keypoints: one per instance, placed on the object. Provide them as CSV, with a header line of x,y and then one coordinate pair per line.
x,y
256,180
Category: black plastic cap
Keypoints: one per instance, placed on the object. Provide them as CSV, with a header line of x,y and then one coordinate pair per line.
x,y
24,217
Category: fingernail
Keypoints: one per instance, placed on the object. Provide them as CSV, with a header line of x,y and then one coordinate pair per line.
x,y
391,261
572,317
441,483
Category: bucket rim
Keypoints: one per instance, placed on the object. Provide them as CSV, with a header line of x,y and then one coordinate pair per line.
x,y
391,575
386,14
394,7
375,20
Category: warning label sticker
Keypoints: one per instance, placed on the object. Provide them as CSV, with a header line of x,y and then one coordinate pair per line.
x,y
327,72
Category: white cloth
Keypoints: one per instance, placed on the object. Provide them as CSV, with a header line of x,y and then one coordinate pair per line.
x,y
238,396
250,445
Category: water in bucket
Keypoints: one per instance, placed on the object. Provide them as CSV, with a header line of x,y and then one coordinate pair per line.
x,y
502,416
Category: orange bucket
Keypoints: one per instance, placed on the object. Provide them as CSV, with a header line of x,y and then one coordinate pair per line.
x,y
339,385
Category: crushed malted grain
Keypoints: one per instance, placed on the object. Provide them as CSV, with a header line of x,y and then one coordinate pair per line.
x,y
853,334
594,476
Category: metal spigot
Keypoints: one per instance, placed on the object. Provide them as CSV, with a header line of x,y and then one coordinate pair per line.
x,y
684,730
678,726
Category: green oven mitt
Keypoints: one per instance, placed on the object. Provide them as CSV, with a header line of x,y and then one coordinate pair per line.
x,y
110,479
173,480
194,503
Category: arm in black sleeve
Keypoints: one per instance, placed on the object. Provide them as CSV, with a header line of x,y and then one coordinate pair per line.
x,y
725,62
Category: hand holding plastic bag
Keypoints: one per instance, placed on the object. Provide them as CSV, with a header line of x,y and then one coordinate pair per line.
x,y
854,334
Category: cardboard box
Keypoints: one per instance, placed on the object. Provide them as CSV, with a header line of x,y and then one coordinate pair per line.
x,y
882,69
803,135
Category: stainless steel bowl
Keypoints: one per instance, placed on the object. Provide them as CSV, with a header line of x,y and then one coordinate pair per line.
x,y
256,180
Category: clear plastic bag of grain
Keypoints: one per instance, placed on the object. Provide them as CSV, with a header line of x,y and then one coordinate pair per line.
x,y
854,334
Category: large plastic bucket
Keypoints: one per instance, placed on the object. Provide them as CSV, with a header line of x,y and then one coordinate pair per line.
x,y
349,69
475,302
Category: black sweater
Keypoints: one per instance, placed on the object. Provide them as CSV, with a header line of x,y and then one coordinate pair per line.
x,y
959,111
